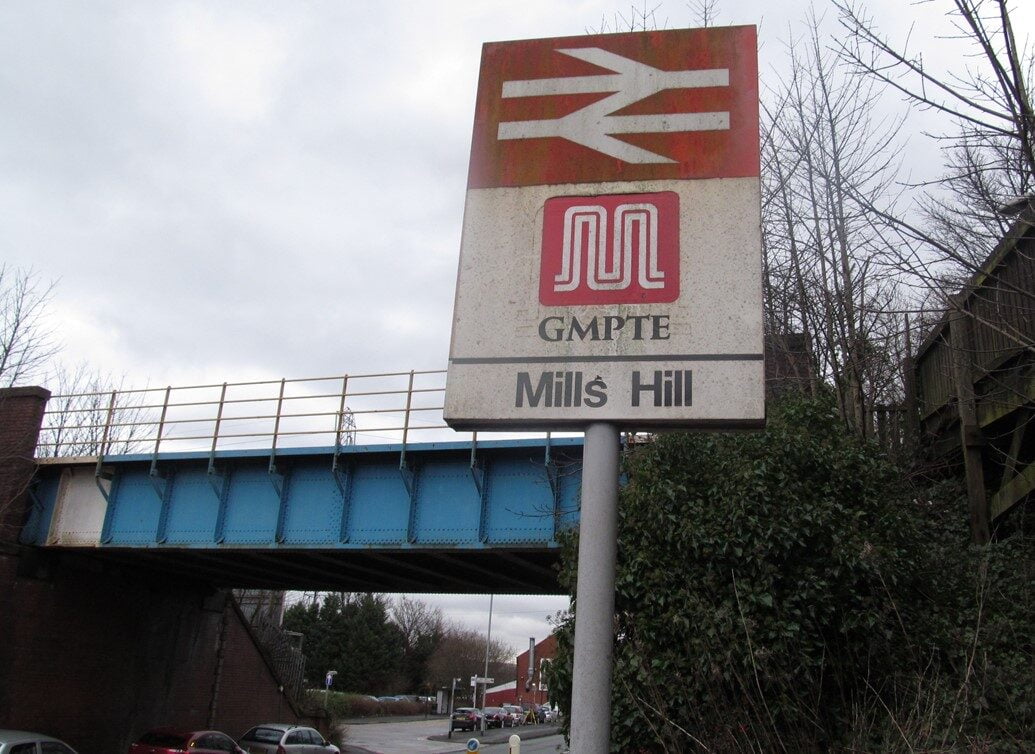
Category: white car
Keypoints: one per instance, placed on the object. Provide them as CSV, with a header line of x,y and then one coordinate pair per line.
x,y
281,738
23,742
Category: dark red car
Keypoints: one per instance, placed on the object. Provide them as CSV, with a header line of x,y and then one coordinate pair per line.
x,y
494,717
170,741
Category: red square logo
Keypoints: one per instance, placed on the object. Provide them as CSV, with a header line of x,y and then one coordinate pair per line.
x,y
615,249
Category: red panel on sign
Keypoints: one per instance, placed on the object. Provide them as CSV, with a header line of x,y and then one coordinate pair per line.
x,y
617,249
617,107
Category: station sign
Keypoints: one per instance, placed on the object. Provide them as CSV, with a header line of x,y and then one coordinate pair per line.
x,y
610,263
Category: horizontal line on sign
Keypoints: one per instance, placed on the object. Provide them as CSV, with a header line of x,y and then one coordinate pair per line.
x,y
606,359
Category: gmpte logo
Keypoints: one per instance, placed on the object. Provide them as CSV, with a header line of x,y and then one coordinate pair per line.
x,y
615,249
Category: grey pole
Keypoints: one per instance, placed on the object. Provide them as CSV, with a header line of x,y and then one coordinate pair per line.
x,y
488,641
595,592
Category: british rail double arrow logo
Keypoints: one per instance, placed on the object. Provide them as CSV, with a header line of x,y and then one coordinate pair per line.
x,y
595,125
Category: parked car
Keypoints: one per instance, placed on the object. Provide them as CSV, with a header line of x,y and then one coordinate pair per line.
x,y
516,716
24,742
283,738
465,718
173,741
546,714
494,717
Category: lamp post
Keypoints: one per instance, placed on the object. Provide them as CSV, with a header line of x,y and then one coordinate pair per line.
x,y
452,691
485,686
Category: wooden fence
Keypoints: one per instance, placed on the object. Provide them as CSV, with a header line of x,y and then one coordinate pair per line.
x,y
975,380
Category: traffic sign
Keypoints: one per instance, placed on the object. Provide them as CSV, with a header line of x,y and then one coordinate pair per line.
x,y
472,744
610,265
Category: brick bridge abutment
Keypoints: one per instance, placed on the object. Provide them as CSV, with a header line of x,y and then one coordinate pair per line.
x,y
96,654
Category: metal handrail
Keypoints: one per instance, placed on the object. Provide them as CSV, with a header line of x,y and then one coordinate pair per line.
x,y
95,423
253,383
188,404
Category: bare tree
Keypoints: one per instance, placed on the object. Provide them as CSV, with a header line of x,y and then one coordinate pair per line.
x,y
643,18
824,149
26,343
705,12
416,619
89,414
988,142
461,653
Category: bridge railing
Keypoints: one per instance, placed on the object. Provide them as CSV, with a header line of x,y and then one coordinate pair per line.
x,y
340,410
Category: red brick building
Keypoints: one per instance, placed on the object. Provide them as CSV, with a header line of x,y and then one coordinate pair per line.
x,y
531,684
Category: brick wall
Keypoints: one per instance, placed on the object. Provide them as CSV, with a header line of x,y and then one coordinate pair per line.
x,y
21,413
95,653
97,656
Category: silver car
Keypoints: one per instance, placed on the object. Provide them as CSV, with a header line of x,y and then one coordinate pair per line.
x,y
280,738
23,742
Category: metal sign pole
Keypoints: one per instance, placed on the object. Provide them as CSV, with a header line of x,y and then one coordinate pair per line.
x,y
595,592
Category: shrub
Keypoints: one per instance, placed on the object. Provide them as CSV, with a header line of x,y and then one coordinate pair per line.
x,y
344,705
787,590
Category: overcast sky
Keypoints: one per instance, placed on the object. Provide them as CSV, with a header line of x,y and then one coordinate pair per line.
x,y
242,190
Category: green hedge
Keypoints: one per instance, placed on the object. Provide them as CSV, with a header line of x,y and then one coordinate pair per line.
x,y
344,705
788,590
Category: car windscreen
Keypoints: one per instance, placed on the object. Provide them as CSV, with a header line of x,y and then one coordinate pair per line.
x,y
165,739
263,735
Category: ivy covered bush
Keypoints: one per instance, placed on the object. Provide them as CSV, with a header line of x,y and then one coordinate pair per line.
x,y
788,590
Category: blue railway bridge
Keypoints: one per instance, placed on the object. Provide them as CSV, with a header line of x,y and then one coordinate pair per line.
x,y
453,516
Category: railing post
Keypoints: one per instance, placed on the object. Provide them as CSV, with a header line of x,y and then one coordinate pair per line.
x,y
161,428
102,449
276,428
406,420
971,440
215,432
911,425
340,419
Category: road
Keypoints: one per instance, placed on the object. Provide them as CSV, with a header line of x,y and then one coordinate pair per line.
x,y
412,738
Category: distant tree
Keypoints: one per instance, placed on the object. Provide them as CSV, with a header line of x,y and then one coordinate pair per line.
x,y
353,635
824,152
422,628
89,413
460,653
26,342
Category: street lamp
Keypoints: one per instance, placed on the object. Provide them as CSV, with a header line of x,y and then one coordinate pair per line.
x,y
452,691
485,686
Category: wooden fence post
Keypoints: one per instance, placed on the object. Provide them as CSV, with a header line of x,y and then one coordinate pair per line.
x,y
961,341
